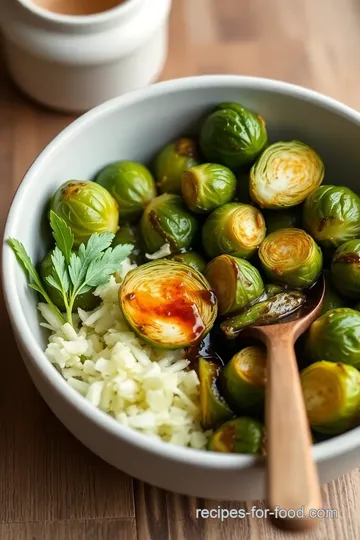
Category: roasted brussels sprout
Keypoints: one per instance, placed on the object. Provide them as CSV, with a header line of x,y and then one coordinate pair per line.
x,y
236,283
207,186
168,304
214,409
87,208
268,311
332,299
132,186
335,337
345,269
128,234
331,214
167,220
283,219
234,229
271,289
172,160
191,258
233,136
291,257
244,379
239,436
87,301
285,174
332,396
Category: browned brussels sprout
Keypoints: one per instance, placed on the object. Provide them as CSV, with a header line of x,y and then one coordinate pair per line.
x,y
168,304
172,160
239,436
236,283
244,379
214,409
345,269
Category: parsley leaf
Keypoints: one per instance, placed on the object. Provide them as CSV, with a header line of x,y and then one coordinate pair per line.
x,y
79,263
106,264
62,234
31,273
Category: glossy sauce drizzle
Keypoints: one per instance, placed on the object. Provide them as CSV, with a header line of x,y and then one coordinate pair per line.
x,y
171,304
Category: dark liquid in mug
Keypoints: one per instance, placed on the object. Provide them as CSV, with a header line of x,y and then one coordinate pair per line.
x,y
77,7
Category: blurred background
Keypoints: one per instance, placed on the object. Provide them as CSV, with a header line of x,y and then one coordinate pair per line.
x,y
51,487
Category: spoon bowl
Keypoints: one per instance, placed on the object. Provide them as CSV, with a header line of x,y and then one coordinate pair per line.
x,y
293,487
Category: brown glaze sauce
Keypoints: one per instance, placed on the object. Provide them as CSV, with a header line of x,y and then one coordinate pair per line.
x,y
172,305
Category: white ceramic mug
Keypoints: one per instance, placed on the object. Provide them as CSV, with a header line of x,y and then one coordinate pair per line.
x,y
73,62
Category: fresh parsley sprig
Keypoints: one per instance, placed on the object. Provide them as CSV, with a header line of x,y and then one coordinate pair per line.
x,y
73,273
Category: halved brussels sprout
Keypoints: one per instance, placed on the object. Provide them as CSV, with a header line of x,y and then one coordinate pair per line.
x,y
335,337
332,396
239,436
283,219
214,409
345,269
244,379
132,186
167,220
331,214
191,258
168,304
236,283
291,257
207,186
332,299
268,311
235,229
233,136
285,174
87,301
87,208
172,160
128,234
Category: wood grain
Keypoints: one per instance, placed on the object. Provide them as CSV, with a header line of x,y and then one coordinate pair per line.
x,y
51,487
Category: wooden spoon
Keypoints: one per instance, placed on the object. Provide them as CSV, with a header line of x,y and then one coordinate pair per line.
x,y
292,480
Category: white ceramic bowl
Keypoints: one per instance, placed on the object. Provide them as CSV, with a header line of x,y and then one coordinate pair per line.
x,y
135,126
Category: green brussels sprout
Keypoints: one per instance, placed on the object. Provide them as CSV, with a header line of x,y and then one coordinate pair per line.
x,y
86,301
285,174
233,136
191,258
291,257
283,219
236,283
87,208
244,379
207,186
335,337
239,436
268,311
172,160
271,289
128,234
214,409
345,269
332,299
332,396
234,229
168,304
132,186
167,220
331,214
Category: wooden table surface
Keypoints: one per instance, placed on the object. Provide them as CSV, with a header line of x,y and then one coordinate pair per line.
x,y
51,487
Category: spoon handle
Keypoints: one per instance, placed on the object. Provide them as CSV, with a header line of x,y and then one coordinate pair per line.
x,y
292,481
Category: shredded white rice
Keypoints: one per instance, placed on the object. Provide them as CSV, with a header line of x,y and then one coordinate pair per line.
x,y
148,389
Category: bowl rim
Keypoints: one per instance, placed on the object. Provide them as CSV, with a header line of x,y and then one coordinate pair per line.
x,y
322,451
